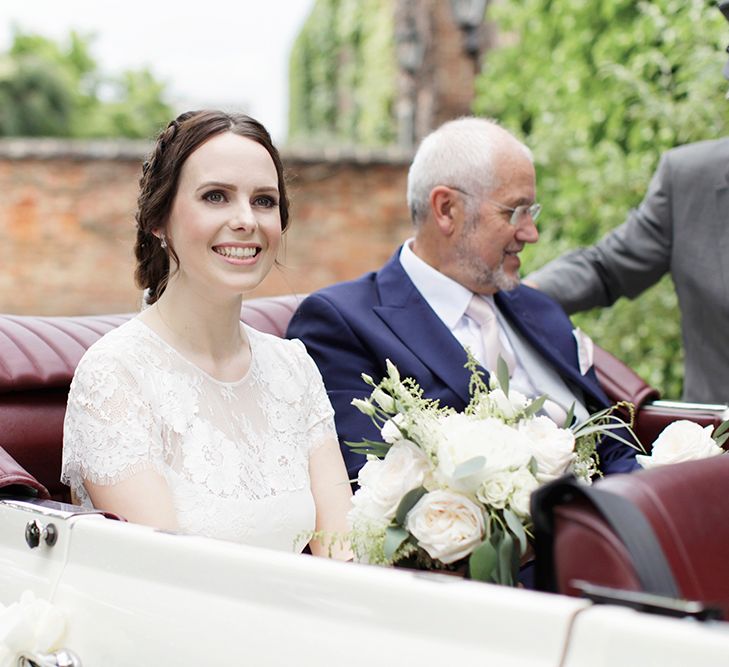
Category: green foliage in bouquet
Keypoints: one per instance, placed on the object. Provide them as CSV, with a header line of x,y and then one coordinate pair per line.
x,y
599,90
447,490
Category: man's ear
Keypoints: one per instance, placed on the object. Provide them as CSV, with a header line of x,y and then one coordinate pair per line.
x,y
446,208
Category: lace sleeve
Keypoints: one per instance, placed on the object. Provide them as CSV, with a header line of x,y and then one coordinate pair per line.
x,y
110,431
320,419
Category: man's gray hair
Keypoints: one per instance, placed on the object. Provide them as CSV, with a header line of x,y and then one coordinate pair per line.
x,y
461,153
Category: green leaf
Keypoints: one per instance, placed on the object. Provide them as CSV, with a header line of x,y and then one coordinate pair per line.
x,y
516,527
535,406
506,559
533,466
394,537
570,416
469,467
482,561
721,429
502,375
407,503
721,439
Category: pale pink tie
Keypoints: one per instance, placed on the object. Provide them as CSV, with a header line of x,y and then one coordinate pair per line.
x,y
482,312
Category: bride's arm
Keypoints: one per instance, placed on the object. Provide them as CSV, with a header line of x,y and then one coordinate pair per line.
x,y
332,496
142,498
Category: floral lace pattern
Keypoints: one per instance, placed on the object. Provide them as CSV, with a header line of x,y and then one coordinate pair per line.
x,y
235,454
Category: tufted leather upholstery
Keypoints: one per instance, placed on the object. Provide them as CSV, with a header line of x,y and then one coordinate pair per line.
x,y
686,505
38,356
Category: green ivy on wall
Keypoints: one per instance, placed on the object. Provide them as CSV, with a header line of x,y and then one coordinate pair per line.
x,y
342,75
599,89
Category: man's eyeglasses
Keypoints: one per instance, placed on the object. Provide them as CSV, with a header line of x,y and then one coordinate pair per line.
x,y
518,214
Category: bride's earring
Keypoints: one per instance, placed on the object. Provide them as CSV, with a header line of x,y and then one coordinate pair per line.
x,y
162,241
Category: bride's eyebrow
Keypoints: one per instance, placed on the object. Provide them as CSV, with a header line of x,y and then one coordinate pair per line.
x,y
216,184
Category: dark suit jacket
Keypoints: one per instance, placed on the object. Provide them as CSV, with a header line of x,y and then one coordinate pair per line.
x,y
351,328
681,227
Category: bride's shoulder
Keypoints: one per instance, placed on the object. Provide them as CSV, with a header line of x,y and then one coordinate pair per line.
x,y
119,347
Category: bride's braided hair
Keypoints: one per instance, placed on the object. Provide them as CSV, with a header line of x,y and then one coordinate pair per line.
x,y
160,177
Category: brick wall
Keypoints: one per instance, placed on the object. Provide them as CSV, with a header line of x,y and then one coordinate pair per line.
x,y
67,222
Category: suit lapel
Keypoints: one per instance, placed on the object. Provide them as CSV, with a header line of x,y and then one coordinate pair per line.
x,y
406,313
536,332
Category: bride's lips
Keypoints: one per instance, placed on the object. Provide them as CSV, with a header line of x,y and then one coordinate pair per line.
x,y
238,253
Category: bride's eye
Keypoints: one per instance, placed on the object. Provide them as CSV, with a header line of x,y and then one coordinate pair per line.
x,y
265,201
214,197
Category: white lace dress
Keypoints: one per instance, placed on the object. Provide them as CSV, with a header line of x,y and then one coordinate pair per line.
x,y
235,454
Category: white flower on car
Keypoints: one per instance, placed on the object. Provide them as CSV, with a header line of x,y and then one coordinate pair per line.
x,y
383,483
552,447
447,525
464,439
30,625
681,441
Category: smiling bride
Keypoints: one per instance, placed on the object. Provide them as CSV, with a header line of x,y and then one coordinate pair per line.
x,y
184,418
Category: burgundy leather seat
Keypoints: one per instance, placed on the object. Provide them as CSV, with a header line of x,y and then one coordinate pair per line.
x,y
686,505
38,356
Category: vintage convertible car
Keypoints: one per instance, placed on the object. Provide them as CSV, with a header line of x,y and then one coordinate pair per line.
x,y
134,595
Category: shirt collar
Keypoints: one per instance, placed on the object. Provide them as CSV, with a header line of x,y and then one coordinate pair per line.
x,y
444,295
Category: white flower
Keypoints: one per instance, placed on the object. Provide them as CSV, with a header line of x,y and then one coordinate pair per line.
x,y
681,441
31,625
463,439
390,431
447,525
496,489
524,484
551,446
384,483
509,405
385,401
364,406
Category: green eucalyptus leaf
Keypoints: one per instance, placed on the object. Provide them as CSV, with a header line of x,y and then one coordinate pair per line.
x,y
721,429
506,558
533,466
482,561
535,406
394,537
407,503
469,467
570,416
721,439
516,527
502,374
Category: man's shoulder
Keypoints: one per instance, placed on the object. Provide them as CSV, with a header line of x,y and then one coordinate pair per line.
x,y
700,154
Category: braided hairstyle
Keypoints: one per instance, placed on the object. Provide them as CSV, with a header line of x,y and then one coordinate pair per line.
x,y
161,175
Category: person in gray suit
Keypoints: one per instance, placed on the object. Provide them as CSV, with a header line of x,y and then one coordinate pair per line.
x,y
679,228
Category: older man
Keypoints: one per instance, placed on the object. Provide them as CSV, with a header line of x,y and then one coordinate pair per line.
x,y
472,197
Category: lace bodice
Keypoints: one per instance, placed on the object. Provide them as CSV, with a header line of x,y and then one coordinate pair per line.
x,y
235,455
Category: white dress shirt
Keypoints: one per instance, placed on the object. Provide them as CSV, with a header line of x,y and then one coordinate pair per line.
x,y
449,300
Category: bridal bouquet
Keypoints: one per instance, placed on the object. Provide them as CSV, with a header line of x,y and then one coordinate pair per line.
x,y
448,490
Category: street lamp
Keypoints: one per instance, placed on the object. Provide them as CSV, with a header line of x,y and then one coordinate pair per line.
x,y
410,49
469,16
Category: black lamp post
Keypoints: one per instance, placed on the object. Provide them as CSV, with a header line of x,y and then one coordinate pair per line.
x,y
469,15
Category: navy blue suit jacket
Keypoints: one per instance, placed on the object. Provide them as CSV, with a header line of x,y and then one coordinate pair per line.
x,y
351,328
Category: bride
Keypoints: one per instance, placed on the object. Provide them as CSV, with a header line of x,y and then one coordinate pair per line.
x,y
184,418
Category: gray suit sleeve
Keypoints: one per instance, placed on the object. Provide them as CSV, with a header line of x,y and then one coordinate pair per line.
x,y
625,262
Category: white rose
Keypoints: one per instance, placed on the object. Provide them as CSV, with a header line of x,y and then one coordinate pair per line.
x,y
390,431
384,483
681,441
551,446
447,525
32,625
465,438
524,484
496,490
509,405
